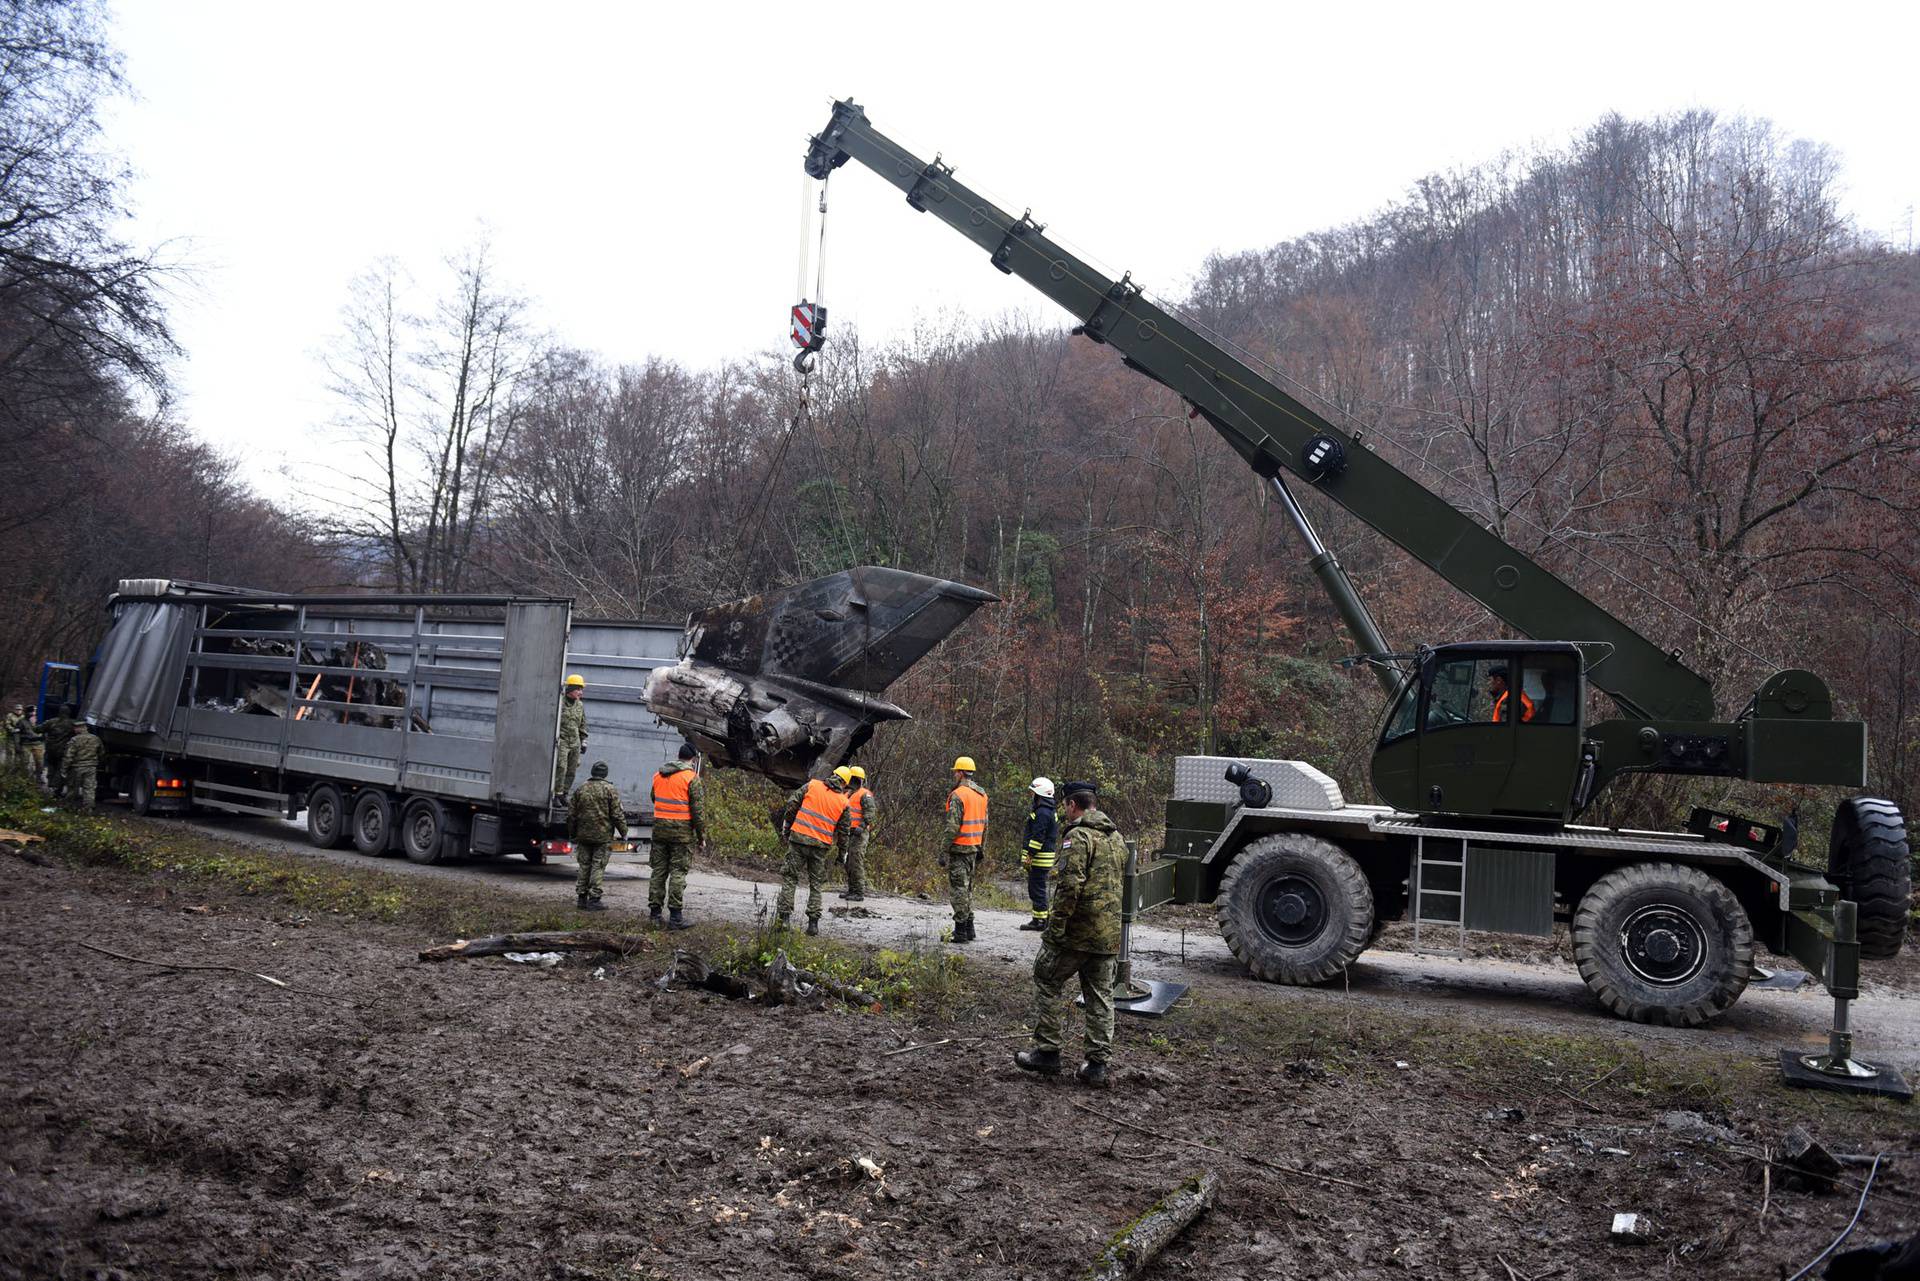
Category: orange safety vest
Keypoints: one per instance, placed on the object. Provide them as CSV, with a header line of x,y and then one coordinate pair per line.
x,y
819,812
673,796
855,803
1500,708
973,816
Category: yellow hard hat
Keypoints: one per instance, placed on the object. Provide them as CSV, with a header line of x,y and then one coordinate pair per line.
x,y
963,762
857,772
844,774
576,681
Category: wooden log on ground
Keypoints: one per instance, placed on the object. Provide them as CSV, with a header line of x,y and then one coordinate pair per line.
x,y
1130,1252
545,941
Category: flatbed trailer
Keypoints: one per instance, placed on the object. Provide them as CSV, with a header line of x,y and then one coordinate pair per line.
x,y
420,724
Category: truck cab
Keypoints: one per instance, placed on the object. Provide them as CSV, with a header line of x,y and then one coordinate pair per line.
x,y
1490,729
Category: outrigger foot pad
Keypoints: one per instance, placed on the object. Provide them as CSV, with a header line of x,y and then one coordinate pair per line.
x,y
1852,1076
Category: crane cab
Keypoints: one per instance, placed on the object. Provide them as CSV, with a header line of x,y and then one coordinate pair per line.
x,y
1492,729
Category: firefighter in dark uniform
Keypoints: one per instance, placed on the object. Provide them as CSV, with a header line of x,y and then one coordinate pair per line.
x,y
1037,855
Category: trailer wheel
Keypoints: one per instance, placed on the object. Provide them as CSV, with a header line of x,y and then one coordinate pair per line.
x,y
1661,943
140,788
326,816
1295,909
1869,860
536,855
373,822
423,834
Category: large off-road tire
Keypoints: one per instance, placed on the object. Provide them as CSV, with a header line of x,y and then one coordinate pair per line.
x,y
423,832
1295,909
373,822
1661,943
327,818
1870,861
141,787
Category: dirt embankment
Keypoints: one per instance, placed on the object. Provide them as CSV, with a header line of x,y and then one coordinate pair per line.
x,y
487,1119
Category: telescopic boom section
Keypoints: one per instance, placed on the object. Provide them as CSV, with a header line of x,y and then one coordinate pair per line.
x,y
1275,433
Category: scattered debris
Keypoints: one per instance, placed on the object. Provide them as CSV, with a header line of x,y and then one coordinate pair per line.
x,y
1514,1115
545,960
695,1068
1129,1253
544,941
856,912
187,965
955,1040
779,983
1806,1163
1614,1152
872,1168
1694,1126
1632,1229
1882,1261
1402,1064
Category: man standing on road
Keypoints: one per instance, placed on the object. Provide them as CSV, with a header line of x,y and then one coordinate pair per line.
x,y
678,825
1082,938
573,736
595,819
59,732
966,844
1043,838
816,818
860,811
82,766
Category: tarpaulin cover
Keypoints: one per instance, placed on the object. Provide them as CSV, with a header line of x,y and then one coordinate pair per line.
x,y
131,688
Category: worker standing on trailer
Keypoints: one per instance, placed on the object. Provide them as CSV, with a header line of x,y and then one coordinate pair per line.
x,y
573,736
1082,938
59,733
817,817
595,819
966,844
82,766
860,808
678,825
1043,839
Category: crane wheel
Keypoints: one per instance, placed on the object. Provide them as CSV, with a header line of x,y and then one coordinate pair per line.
x,y
1296,909
1869,860
1662,943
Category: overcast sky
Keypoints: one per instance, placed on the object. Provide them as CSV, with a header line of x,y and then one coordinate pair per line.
x,y
637,166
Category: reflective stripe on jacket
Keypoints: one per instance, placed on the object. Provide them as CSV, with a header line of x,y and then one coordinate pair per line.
x,y
857,808
821,809
1500,708
973,815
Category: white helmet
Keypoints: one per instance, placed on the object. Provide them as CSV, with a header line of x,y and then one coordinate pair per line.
x,y
1042,787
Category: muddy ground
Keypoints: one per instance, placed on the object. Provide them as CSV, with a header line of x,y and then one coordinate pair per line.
x,y
389,1118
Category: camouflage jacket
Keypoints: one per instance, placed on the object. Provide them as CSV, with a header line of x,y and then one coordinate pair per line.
x,y
60,730
1086,895
26,730
573,721
14,721
595,815
686,830
83,751
955,814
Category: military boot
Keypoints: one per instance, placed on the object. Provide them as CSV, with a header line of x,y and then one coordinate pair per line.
x,y
962,932
653,915
594,905
813,925
678,922
580,901
1035,924
1094,1076
783,923
1045,1062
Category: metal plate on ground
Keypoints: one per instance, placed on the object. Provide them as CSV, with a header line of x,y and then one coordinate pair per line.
x,y
1154,1003
1780,980
1885,1080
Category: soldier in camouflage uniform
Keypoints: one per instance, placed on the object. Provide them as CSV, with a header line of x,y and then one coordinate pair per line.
x,y
83,767
10,736
862,809
678,825
59,732
1082,939
595,819
573,737
966,845
32,746
816,819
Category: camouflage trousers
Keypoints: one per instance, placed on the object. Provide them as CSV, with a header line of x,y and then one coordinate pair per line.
x,y
808,859
566,763
1052,969
856,859
56,777
668,864
593,869
33,758
961,864
82,784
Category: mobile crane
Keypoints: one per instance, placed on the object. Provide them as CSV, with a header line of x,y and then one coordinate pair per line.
x,y
1486,754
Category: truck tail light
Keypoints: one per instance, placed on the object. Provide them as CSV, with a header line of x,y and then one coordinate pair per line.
x,y
556,847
